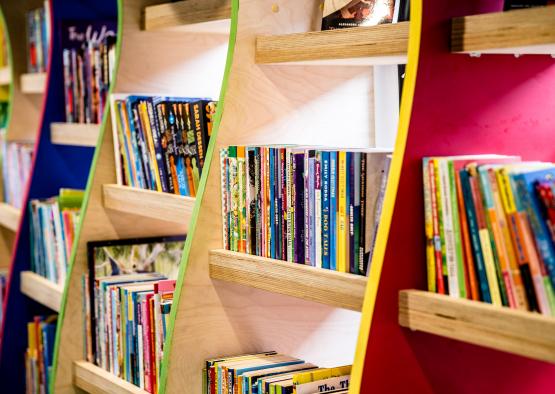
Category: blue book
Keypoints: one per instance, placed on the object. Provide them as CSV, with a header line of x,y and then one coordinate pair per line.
x,y
474,235
333,212
325,182
526,190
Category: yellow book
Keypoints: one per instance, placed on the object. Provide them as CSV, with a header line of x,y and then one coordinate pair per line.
x,y
429,227
320,374
151,149
342,228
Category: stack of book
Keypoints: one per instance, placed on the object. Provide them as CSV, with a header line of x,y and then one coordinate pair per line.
x,y
161,142
490,230
270,372
38,39
306,205
16,168
89,55
41,333
127,298
54,222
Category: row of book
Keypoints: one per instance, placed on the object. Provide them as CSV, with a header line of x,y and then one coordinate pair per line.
x,y
306,205
270,372
490,230
127,298
89,55
41,334
161,142
17,159
54,222
38,39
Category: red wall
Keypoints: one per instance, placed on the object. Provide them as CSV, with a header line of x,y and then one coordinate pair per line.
x,y
492,104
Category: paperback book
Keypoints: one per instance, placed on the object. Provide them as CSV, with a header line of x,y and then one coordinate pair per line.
x,y
306,205
161,142
38,39
17,159
489,230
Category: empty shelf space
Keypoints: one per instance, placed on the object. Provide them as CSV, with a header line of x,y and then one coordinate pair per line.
x,y
42,290
75,134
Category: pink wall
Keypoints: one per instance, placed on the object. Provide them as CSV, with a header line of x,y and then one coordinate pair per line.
x,y
492,104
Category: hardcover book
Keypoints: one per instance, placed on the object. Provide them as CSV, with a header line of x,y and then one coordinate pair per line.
x,y
340,14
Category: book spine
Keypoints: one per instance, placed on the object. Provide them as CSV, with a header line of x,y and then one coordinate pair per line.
x,y
234,207
201,132
258,193
267,202
299,237
251,201
325,209
272,202
461,271
194,157
263,203
224,186
165,145
283,199
312,208
318,209
307,208
363,212
342,229
242,191
356,250
429,227
333,223
441,232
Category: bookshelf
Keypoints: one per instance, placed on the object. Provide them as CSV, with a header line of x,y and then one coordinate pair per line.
x,y
9,216
95,380
489,352
74,134
208,16
520,32
382,44
332,288
33,83
55,167
523,333
114,211
171,208
41,290
5,76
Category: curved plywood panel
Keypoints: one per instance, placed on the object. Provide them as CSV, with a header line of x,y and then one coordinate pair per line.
x,y
461,105
151,62
265,104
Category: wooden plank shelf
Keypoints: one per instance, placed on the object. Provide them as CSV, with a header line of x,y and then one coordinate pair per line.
x,y
95,380
524,333
34,83
5,75
74,134
520,32
9,216
297,280
370,45
42,290
206,16
148,203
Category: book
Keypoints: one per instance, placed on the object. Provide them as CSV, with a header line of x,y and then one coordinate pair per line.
x,y
16,167
519,4
39,354
38,39
338,14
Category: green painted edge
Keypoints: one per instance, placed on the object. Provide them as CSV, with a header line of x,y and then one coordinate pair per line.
x,y
92,172
202,187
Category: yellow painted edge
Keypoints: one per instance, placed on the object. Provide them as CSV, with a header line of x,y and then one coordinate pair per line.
x,y
390,195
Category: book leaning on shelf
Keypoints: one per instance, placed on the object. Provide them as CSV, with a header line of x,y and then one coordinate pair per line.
x,y
341,14
270,372
54,222
41,333
89,55
490,230
16,168
306,205
127,298
160,142
38,39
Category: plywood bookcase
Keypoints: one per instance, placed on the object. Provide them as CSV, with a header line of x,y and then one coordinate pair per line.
x,y
457,104
54,167
185,63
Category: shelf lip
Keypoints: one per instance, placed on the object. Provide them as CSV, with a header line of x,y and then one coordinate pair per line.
x,y
9,216
33,83
74,134
524,31
5,76
41,290
324,286
523,333
94,379
192,15
382,44
148,203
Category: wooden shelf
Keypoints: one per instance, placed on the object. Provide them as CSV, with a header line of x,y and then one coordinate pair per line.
x,y
34,83
297,280
75,134
95,380
207,16
526,31
382,44
147,203
5,75
9,216
41,290
524,333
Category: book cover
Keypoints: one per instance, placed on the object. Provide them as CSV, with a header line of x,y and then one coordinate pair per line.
x,y
338,14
